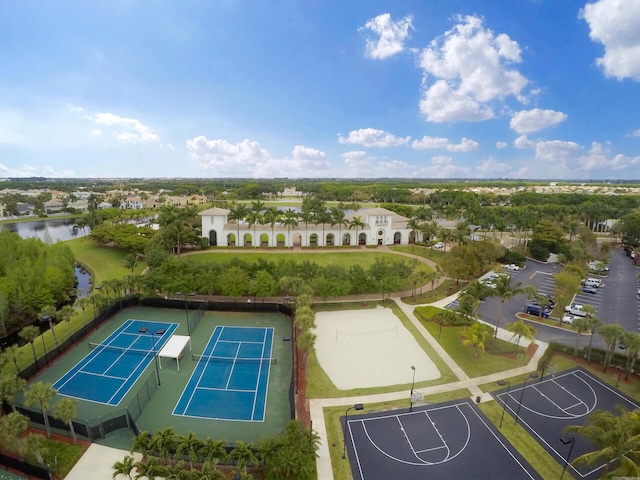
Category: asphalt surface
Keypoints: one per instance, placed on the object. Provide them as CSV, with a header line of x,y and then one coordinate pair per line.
x,y
615,302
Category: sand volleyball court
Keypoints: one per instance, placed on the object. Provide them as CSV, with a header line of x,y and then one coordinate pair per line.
x,y
369,348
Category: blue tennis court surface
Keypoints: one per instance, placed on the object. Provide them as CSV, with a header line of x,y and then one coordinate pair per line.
x,y
230,380
107,373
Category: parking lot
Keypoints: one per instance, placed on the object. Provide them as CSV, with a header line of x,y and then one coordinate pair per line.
x,y
615,302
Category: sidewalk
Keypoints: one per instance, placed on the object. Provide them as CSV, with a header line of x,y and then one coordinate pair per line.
x,y
316,406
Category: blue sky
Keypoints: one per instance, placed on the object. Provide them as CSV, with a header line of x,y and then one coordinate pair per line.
x,y
540,89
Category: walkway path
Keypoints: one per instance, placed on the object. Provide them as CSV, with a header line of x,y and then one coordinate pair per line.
x,y
317,405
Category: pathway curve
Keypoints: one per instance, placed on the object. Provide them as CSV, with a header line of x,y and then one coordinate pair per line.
x,y
316,405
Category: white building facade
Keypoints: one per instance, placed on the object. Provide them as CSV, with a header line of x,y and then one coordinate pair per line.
x,y
379,226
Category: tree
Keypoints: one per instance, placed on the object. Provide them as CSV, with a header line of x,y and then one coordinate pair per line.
x,y
142,443
12,354
213,451
505,291
615,437
272,216
189,445
519,330
476,336
82,303
130,261
238,212
65,314
611,334
12,427
29,334
124,467
580,325
48,313
356,223
10,386
338,218
164,442
65,410
41,393
445,235
243,454
149,470
290,219
253,218
632,341
594,326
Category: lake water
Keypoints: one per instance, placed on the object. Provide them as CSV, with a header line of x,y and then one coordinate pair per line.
x,y
58,228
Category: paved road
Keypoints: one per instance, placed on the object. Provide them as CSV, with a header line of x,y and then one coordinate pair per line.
x,y
619,295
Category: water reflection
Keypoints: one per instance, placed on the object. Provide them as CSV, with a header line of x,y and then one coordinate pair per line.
x,y
57,229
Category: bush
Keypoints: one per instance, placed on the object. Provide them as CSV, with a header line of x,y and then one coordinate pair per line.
x,y
538,251
511,256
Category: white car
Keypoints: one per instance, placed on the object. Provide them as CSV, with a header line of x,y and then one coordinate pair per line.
x,y
438,245
568,318
512,266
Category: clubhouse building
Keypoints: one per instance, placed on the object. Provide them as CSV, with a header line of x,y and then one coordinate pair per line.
x,y
377,226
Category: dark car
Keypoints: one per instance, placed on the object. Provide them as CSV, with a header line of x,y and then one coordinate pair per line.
x,y
537,310
587,289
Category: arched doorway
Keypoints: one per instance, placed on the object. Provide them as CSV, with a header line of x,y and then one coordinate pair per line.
x,y
297,240
213,238
264,240
313,240
247,240
329,242
397,238
231,240
346,239
362,239
280,239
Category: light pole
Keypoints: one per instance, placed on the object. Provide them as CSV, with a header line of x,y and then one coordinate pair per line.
x,y
413,382
531,375
357,406
502,383
571,441
44,318
186,307
145,330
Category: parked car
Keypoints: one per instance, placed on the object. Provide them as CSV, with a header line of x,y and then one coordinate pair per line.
x,y
512,266
588,289
568,318
438,245
575,309
537,310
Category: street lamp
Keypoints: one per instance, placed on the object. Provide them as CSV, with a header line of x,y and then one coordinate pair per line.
x,y
357,406
571,441
413,382
145,330
531,375
502,383
186,307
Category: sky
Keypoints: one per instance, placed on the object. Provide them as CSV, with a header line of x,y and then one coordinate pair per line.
x,y
519,89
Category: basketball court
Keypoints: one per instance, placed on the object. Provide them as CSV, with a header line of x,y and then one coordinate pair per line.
x,y
448,440
546,406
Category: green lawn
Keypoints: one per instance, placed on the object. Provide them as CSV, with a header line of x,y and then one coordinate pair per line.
x,y
436,256
105,263
495,359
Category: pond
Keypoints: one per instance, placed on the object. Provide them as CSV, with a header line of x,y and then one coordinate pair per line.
x,y
57,229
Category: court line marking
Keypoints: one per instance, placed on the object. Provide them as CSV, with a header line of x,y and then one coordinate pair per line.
x,y
589,378
423,464
169,327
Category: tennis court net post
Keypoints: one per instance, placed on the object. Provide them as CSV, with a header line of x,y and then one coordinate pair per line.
x,y
196,316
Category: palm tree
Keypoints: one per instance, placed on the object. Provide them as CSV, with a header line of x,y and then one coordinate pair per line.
x,y
580,325
12,354
519,330
616,440
142,444
505,291
237,212
594,326
632,341
48,313
213,450
131,260
290,220
65,410
41,393
610,333
150,470
272,216
65,314
209,472
10,386
82,303
337,218
253,218
164,442
189,445
29,334
445,235
307,215
323,217
12,428
243,454
124,467
476,336
356,223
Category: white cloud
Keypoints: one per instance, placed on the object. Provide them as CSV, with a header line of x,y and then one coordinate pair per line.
x,y
168,145
442,167
523,142
225,158
30,171
126,129
306,157
427,142
491,168
529,121
473,68
370,137
391,35
616,24
96,132
636,133
74,108
500,145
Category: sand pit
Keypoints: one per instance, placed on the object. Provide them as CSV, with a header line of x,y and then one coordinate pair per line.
x,y
369,348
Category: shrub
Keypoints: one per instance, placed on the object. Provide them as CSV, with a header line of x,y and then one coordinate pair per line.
x,y
538,251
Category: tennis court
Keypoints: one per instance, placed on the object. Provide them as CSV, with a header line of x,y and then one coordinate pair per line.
x,y
231,377
112,367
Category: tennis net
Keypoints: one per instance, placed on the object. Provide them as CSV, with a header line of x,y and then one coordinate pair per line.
x,y
213,358
122,350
